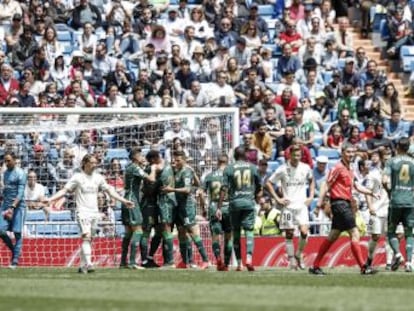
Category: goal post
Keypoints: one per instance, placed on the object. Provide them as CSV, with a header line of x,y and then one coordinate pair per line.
x,y
51,142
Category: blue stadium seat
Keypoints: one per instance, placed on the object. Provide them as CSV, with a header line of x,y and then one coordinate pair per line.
x,y
64,36
327,76
266,10
341,63
318,139
376,23
37,215
333,114
71,230
119,230
119,153
326,126
272,165
407,126
329,152
60,216
110,139
47,230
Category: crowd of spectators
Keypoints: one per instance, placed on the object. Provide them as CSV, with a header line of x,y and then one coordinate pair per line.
x,y
295,74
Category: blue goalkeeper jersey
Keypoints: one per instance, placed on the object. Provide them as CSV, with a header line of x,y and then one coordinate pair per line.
x,y
14,184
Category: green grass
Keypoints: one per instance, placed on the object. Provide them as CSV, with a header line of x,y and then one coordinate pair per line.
x,y
267,289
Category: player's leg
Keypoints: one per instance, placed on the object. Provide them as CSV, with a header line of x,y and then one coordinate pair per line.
x,y
302,219
375,229
341,220
236,227
194,231
190,252
408,231
228,241
4,227
166,219
17,227
247,223
216,230
135,243
125,247
394,217
287,225
86,225
183,241
154,245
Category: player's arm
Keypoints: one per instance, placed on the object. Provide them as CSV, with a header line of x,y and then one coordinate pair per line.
x,y
196,179
112,193
269,186
60,194
152,175
311,191
361,189
223,193
20,190
325,187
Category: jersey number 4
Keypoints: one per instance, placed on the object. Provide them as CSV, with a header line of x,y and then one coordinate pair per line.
x,y
243,178
405,173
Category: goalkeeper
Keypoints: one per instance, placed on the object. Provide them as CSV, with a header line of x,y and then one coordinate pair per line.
x,y
13,206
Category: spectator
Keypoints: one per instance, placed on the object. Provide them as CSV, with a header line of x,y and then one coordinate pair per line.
x,y
234,74
84,13
24,48
379,141
343,38
251,36
241,52
333,90
320,172
121,78
200,65
373,76
138,98
361,60
253,154
284,141
335,138
306,154
202,30
35,193
348,102
350,76
176,130
9,86
344,122
355,139
287,62
174,25
368,105
329,58
15,31
395,127
389,100
44,170
290,36
304,131
246,87
262,140
225,36
220,91
288,101
184,75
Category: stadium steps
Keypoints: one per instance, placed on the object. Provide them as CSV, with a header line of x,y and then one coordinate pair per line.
x,y
407,104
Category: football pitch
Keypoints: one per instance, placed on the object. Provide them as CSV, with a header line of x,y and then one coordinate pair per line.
x,y
175,290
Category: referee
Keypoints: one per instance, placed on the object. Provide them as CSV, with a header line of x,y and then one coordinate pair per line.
x,y
339,185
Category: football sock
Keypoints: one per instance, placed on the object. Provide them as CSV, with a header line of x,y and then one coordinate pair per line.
x,y
17,247
249,242
144,246
135,241
183,250
6,239
199,243
356,251
87,251
168,246
303,239
409,245
216,249
371,248
189,249
227,252
326,244
155,243
236,244
125,246
290,250
388,253
394,243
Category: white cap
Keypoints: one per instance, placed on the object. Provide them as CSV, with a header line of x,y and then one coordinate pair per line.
x,y
322,159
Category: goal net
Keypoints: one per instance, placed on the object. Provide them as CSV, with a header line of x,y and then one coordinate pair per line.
x,y
50,144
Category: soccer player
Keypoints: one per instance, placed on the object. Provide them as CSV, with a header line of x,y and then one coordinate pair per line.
x,y
398,178
185,217
295,178
242,184
132,217
378,210
212,185
339,184
13,206
166,205
86,184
